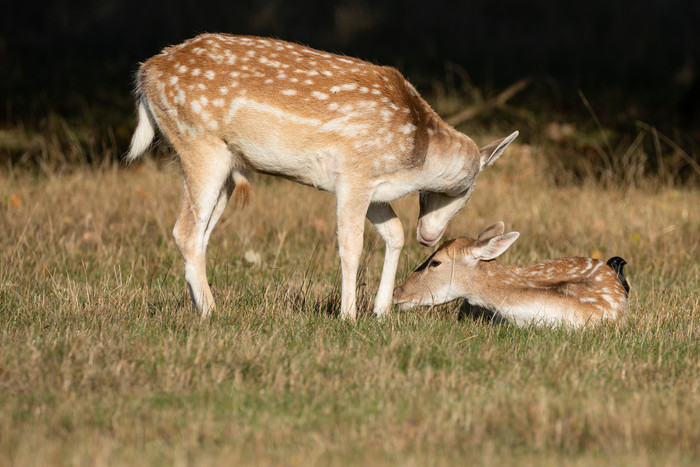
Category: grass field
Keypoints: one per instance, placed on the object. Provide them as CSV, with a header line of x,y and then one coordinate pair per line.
x,y
102,361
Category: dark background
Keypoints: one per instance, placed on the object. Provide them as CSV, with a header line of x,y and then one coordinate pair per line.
x,y
632,59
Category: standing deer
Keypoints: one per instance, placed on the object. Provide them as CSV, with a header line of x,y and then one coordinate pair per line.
x,y
573,292
230,105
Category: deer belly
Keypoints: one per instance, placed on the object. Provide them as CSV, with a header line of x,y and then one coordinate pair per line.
x,y
539,313
284,145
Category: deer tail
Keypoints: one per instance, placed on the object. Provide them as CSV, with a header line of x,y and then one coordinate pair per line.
x,y
241,191
144,132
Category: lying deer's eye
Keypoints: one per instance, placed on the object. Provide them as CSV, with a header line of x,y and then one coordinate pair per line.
x,y
435,263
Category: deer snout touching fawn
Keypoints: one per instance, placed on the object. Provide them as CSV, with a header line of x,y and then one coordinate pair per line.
x,y
230,105
572,292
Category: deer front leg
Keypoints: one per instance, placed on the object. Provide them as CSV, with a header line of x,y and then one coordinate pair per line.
x,y
352,208
387,223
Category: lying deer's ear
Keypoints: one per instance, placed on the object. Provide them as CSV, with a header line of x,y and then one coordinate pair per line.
x,y
487,250
496,229
494,149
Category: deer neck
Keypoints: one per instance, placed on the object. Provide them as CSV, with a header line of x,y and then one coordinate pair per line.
x,y
451,159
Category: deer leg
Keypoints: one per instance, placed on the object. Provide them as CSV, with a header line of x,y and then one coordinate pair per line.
x,y
219,208
387,223
352,208
205,194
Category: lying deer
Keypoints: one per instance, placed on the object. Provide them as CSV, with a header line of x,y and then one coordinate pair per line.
x,y
230,105
573,292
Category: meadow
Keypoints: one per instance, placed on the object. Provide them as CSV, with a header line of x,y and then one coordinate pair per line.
x,y
103,361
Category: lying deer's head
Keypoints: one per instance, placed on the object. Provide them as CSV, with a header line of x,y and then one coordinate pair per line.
x,y
454,269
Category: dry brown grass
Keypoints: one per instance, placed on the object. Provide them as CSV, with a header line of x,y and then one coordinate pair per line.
x,y
103,362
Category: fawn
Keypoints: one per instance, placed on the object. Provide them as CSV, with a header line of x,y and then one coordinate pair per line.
x,y
230,105
573,292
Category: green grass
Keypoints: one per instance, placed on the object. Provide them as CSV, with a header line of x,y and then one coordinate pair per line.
x,y
102,361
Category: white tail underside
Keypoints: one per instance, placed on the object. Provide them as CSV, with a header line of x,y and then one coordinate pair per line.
x,y
143,135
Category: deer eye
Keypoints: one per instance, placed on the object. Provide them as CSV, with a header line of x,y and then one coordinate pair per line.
x,y
434,263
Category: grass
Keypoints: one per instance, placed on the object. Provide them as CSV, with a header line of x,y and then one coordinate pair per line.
x,y
102,361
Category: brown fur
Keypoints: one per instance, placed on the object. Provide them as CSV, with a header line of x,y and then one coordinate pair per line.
x,y
241,194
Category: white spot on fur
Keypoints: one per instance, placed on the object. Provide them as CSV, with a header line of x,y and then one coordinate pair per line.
x,y
195,72
333,106
608,299
289,92
407,128
209,74
180,97
319,95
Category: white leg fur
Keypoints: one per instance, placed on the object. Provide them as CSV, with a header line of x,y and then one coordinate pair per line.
x,y
352,208
221,203
387,223
203,201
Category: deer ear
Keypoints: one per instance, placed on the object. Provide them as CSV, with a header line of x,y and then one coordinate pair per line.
x,y
494,149
496,229
486,250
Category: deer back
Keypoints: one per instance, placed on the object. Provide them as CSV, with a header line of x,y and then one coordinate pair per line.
x,y
273,100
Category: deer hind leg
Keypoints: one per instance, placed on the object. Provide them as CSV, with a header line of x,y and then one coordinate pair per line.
x,y
206,191
387,223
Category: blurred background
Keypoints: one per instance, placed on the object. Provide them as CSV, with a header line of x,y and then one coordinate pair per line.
x,y
601,88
